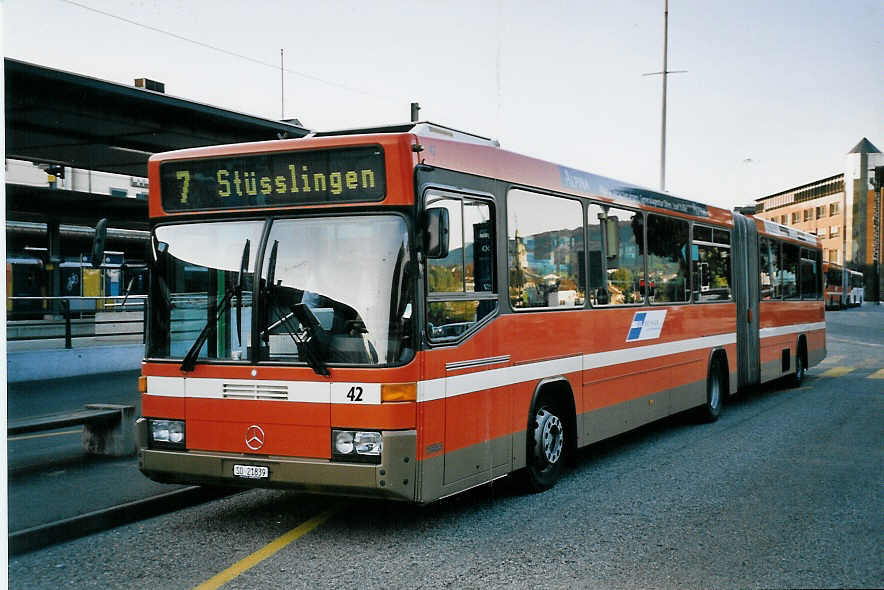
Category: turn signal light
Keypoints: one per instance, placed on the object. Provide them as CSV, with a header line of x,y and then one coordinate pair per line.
x,y
398,392
142,384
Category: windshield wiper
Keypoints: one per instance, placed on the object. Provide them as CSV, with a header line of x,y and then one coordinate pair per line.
x,y
189,361
306,345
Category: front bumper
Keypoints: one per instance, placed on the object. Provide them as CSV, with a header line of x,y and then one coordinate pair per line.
x,y
393,478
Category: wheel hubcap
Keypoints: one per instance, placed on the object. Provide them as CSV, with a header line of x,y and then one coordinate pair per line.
x,y
715,392
549,436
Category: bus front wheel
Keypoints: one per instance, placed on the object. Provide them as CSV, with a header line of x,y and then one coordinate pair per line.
x,y
547,445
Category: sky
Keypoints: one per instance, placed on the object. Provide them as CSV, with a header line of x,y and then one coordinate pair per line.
x,y
775,94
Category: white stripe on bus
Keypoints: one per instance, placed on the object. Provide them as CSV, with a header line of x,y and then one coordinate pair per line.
x,y
433,389
793,329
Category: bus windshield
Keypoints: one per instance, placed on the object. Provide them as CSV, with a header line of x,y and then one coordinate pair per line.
x,y
351,273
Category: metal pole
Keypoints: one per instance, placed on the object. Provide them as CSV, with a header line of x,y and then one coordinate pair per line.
x,y
665,72
281,86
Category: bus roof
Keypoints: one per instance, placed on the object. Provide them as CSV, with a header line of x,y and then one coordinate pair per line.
x,y
441,146
776,229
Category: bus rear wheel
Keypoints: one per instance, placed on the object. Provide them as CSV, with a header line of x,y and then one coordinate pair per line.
x,y
715,388
547,445
800,367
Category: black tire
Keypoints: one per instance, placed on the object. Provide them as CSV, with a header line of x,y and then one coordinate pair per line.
x,y
797,378
547,445
715,391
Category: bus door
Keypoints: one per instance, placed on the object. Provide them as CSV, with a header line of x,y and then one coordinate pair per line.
x,y
460,298
746,275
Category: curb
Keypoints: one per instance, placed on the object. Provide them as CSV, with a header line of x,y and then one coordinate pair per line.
x,y
107,518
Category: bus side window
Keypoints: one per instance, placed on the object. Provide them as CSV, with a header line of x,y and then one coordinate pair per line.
x,y
545,251
667,259
768,267
445,275
790,271
809,274
460,287
597,287
711,255
616,278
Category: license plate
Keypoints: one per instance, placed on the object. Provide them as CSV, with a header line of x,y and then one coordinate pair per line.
x,y
251,471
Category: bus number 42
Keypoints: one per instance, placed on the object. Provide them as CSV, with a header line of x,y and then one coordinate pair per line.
x,y
355,394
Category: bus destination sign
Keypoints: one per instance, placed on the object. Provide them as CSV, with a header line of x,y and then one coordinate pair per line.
x,y
274,179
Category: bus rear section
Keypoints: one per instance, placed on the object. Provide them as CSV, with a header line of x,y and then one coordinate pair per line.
x,y
792,328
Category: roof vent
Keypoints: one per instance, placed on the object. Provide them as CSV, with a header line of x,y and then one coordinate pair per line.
x,y
149,84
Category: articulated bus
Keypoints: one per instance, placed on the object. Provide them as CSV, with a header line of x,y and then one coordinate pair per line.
x,y
410,311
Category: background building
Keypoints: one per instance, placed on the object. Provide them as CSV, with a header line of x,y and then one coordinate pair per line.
x,y
844,210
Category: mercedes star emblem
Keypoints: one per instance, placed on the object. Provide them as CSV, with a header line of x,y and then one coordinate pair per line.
x,y
255,437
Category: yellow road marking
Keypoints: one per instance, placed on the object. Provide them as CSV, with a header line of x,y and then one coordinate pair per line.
x,y
879,374
837,372
268,550
44,435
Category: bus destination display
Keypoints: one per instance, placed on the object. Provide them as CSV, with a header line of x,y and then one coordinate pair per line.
x,y
274,179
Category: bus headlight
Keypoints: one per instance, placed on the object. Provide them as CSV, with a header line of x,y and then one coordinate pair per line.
x,y
167,434
360,446
368,443
344,442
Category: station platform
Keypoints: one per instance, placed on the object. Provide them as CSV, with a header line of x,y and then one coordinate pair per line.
x,y
56,490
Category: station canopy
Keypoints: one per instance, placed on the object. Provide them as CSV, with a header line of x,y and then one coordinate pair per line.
x,y
61,118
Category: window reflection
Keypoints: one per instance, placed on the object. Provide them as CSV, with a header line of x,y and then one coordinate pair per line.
x,y
711,255
545,251
461,286
618,278
789,274
192,284
667,259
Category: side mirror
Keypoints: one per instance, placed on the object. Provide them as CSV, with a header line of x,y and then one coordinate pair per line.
x,y
98,243
437,228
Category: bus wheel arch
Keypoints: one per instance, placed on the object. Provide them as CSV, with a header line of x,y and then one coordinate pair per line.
x,y
551,435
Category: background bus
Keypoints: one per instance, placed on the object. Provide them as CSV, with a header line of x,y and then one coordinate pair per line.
x,y
844,288
855,290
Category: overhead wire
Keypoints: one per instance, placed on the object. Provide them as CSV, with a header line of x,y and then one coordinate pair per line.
x,y
230,53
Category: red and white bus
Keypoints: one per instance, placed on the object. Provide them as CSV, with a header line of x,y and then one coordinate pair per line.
x,y
411,311
844,287
834,285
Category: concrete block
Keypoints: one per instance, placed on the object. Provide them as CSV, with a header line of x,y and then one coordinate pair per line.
x,y
116,439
